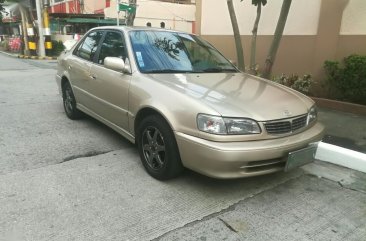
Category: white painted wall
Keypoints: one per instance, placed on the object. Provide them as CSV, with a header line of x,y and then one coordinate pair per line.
x,y
176,16
62,37
302,20
354,18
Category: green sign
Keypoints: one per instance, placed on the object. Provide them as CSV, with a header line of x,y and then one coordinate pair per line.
x,y
126,7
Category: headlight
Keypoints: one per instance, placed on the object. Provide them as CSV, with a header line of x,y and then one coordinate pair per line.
x,y
211,124
313,114
224,126
241,126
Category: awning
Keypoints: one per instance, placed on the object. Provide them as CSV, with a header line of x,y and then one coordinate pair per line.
x,y
92,20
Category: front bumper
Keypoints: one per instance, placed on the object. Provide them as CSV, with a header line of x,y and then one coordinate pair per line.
x,y
242,159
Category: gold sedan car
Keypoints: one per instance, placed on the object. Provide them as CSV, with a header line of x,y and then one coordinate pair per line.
x,y
185,105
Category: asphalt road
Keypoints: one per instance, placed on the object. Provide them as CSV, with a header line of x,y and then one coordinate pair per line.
x,y
34,130
79,180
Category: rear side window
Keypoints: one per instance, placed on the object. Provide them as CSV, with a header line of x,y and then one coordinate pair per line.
x,y
88,48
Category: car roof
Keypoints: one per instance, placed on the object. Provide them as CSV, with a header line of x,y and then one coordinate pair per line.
x,y
130,28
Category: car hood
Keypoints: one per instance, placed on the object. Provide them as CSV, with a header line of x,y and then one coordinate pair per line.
x,y
239,94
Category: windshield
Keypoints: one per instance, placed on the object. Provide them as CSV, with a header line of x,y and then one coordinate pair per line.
x,y
170,52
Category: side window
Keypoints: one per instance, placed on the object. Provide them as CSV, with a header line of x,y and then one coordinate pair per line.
x,y
112,46
89,47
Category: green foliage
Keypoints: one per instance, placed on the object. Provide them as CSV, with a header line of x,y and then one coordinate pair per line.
x,y
1,10
348,81
57,47
295,82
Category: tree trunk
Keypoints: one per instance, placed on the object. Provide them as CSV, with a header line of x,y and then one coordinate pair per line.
x,y
131,16
24,29
277,38
254,40
239,47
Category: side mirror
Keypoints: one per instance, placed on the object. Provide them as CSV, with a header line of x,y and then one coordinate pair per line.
x,y
116,64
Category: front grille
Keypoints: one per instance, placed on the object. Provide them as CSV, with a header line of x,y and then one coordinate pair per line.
x,y
278,127
299,123
285,126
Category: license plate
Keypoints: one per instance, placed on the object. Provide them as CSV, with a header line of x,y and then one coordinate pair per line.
x,y
301,157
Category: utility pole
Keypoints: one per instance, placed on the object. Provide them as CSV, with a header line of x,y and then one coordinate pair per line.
x,y
41,50
118,2
47,30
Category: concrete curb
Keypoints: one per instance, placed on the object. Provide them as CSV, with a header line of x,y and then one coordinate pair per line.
x,y
9,54
28,57
341,106
341,156
36,57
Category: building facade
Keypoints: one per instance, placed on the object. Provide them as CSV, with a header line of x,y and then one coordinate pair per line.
x,y
78,6
315,31
78,16
175,14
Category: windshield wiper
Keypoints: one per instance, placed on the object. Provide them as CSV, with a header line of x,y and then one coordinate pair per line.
x,y
219,70
157,71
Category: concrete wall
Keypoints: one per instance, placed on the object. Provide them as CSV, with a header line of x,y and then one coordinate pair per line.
x,y
354,18
176,16
316,30
352,38
216,19
90,6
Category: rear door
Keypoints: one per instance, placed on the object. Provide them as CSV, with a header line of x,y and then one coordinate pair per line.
x,y
109,87
80,64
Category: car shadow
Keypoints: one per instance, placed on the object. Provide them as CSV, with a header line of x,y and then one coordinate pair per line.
x,y
106,129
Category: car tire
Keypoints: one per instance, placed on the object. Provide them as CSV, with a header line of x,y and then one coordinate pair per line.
x,y
158,149
69,102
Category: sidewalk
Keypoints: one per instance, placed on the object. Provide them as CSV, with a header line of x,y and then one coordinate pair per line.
x,y
327,202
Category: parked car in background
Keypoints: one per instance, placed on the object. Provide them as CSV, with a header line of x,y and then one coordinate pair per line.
x,y
185,105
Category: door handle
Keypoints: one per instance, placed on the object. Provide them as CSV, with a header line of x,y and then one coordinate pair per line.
x,y
92,76
70,67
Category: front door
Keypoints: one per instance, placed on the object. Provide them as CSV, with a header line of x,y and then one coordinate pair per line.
x,y
110,87
79,66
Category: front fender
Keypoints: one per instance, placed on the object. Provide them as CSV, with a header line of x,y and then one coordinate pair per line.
x,y
178,109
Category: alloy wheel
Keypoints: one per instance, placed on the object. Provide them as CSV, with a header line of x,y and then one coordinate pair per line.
x,y
69,100
153,148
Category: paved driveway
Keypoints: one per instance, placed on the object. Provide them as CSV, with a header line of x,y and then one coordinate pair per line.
x,y
79,180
